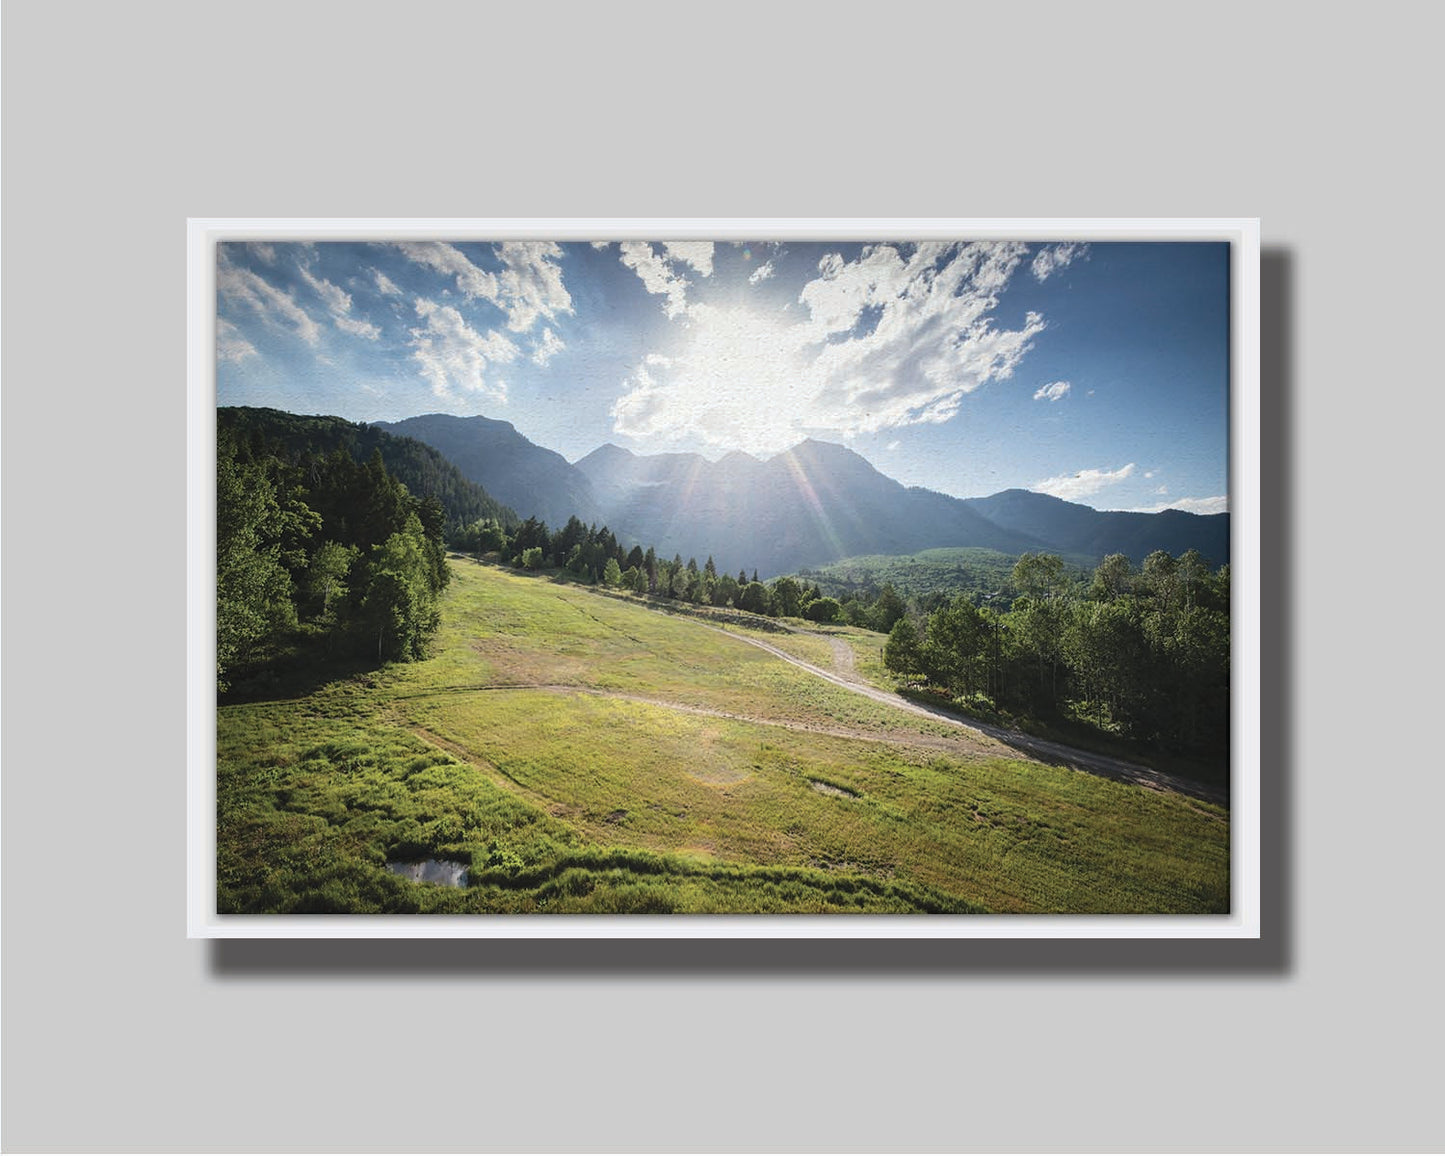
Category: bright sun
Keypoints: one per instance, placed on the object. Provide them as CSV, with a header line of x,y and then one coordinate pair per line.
x,y
737,379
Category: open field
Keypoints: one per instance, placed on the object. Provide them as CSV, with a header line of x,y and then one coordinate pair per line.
x,y
579,752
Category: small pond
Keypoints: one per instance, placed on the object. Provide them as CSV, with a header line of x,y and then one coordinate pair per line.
x,y
444,871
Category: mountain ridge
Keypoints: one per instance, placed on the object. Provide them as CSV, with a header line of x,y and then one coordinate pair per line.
x,y
531,479
814,503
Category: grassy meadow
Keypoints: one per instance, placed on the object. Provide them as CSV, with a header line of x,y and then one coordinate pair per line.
x,y
580,752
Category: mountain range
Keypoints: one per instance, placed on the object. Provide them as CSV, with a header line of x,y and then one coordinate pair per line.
x,y
813,504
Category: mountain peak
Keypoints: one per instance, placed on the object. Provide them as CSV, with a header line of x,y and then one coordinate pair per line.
x,y
607,451
812,447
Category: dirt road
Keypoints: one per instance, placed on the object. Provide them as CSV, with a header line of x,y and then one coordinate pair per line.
x,y
1041,749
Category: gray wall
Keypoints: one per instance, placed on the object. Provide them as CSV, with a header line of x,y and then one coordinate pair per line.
x,y
120,120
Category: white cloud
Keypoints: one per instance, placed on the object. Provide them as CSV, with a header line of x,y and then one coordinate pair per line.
x,y
1072,487
450,261
385,284
263,251
889,339
1051,258
528,287
530,284
761,273
1215,505
698,254
893,445
656,274
453,356
933,341
1052,392
338,305
274,306
547,348
230,345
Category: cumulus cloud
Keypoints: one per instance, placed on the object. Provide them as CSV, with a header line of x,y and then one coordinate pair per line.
x,y
274,306
530,283
1072,487
547,348
1215,505
453,356
895,337
656,274
528,286
385,284
1052,391
230,345
761,273
450,261
338,305
1051,258
932,340
698,254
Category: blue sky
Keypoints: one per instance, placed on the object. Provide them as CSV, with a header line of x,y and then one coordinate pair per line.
x,y
1096,372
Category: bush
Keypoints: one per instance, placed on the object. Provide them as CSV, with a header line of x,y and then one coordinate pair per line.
x,y
822,610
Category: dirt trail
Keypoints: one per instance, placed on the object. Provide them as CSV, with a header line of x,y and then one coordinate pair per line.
x,y
1041,749
842,657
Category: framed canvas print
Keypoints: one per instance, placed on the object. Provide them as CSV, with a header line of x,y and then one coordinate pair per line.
x,y
724,578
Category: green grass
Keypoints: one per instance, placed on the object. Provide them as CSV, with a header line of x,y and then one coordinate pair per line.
x,y
544,746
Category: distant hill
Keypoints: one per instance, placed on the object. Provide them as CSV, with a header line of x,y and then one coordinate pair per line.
x,y
423,470
1070,528
534,481
947,569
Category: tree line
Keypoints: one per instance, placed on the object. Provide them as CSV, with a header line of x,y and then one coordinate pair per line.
x,y
1140,652
316,547
595,556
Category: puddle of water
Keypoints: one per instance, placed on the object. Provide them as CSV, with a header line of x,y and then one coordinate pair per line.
x,y
443,871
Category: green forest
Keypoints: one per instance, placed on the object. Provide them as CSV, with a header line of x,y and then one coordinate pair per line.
x,y
1138,653
319,556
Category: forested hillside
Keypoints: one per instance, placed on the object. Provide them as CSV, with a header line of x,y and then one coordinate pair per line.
x,y
424,471
925,576
319,556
